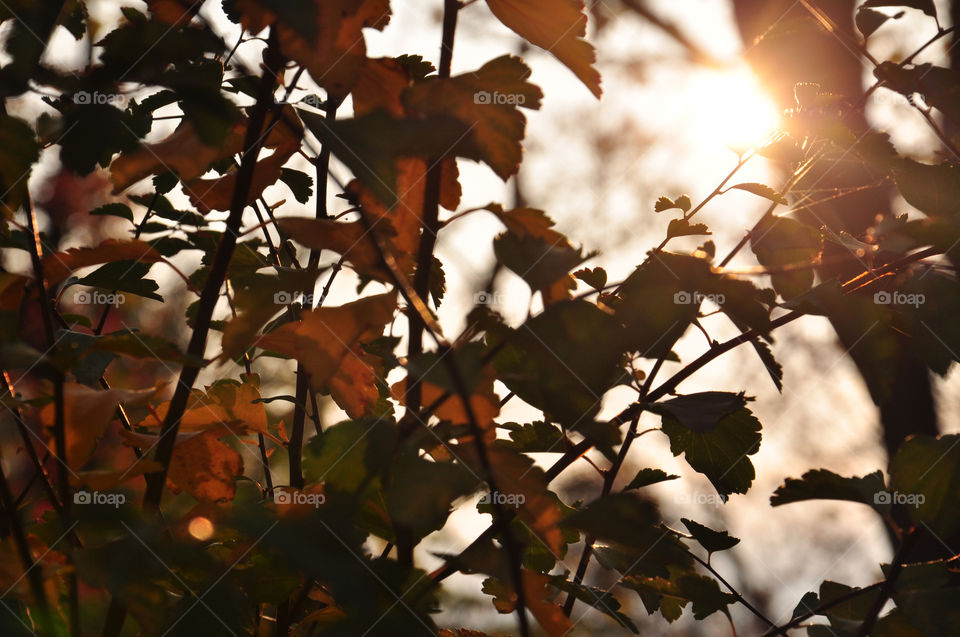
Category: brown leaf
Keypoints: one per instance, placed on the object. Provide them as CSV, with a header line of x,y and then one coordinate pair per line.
x,y
183,152
486,100
558,26
217,193
58,266
336,53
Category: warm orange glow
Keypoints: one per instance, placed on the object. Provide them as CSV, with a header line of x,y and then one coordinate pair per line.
x,y
200,528
733,109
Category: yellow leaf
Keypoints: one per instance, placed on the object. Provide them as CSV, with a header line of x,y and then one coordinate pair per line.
x,y
487,101
559,26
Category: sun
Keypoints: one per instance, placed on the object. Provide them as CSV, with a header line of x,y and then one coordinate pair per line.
x,y
733,109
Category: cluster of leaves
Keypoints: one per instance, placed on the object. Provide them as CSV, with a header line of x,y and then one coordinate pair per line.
x,y
230,555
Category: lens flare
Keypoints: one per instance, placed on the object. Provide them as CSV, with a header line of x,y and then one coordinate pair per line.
x,y
733,109
200,528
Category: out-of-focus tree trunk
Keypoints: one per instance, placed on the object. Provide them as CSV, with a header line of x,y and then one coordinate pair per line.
x,y
785,45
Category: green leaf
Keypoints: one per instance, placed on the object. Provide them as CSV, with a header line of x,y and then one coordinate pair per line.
x,y
822,484
114,210
124,276
535,437
646,477
927,470
869,20
700,412
709,539
934,190
18,152
762,190
563,360
721,454
299,182
535,260
348,452
633,523
926,595
780,242
671,595
419,493
927,6
597,599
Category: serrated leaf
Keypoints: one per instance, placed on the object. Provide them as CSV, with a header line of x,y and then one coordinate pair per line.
x,y
762,190
683,228
927,6
646,477
708,538
822,484
299,182
558,26
721,454
114,210
927,470
700,412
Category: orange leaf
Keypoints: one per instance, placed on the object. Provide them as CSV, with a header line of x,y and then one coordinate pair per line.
x,y
517,475
354,386
217,193
202,465
558,26
549,615
226,406
325,336
86,414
